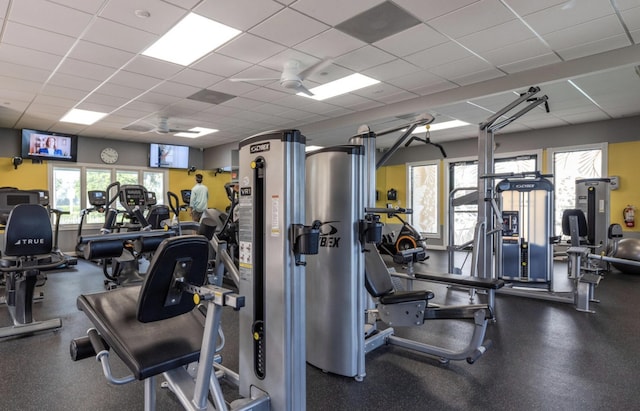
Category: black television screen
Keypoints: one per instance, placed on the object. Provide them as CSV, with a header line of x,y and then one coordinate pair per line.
x,y
45,145
168,156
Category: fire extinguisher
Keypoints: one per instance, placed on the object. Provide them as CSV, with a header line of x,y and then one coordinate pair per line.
x,y
629,216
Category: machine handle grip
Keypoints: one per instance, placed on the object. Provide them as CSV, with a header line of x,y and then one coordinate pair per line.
x,y
96,341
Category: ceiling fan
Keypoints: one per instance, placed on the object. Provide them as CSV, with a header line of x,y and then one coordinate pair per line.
x,y
293,75
162,127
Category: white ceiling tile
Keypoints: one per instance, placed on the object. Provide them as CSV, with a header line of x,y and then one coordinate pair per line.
x,y
298,28
196,78
50,17
470,19
333,12
626,4
67,80
13,84
350,100
220,65
63,92
390,98
241,102
427,10
599,46
153,67
330,44
556,18
234,88
112,102
460,68
36,39
594,30
4,4
409,81
364,58
595,115
636,36
175,89
478,76
530,63
404,43
54,101
392,69
516,52
19,71
436,87
248,47
265,94
239,14
163,16
118,36
438,55
494,38
31,58
120,90
134,80
87,6
98,54
85,69
631,18
524,7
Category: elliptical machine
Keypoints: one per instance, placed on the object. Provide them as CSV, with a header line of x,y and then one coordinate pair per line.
x,y
98,202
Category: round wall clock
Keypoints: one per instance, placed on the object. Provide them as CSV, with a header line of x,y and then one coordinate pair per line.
x,y
109,155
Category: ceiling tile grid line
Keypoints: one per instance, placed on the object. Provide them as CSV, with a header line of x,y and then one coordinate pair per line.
x,y
441,50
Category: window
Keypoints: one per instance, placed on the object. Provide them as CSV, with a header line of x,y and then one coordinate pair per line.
x,y
569,164
69,186
463,178
423,197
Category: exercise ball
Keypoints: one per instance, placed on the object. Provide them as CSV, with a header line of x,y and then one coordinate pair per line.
x,y
628,249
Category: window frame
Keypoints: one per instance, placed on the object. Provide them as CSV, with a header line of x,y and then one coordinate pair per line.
x,y
113,169
538,153
409,191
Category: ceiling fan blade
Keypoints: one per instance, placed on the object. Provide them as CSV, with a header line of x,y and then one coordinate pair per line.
x,y
302,89
178,130
254,79
314,68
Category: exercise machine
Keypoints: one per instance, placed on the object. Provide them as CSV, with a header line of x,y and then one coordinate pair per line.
x,y
120,248
271,299
11,197
340,183
98,202
28,236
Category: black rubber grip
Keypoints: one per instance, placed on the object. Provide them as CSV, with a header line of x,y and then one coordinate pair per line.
x,y
81,348
97,342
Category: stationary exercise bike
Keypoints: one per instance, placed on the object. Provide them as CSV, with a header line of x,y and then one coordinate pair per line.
x,y
407,238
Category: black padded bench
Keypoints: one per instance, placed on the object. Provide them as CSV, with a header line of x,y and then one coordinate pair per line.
x,y
489,284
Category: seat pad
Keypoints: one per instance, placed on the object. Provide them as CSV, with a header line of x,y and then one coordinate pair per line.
x,y
406,296
147,349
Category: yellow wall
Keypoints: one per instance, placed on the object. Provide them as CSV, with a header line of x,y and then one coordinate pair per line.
x,y
623,162
181,180
387,178
28,176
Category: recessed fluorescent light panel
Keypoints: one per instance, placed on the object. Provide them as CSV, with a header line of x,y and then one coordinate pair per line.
x,y
441,126
85,117
197,132
309,149
193,37
341,86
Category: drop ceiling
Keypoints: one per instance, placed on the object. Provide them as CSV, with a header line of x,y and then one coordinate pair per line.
x,y
457,59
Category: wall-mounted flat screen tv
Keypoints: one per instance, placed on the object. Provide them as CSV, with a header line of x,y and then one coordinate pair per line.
x,y
168,156
46,145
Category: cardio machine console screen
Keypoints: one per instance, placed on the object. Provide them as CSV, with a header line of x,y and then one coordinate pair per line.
x,y
97,198
133,196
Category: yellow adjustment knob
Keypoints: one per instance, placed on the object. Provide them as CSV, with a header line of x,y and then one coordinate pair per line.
x,y
196,299
256,336
254,164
